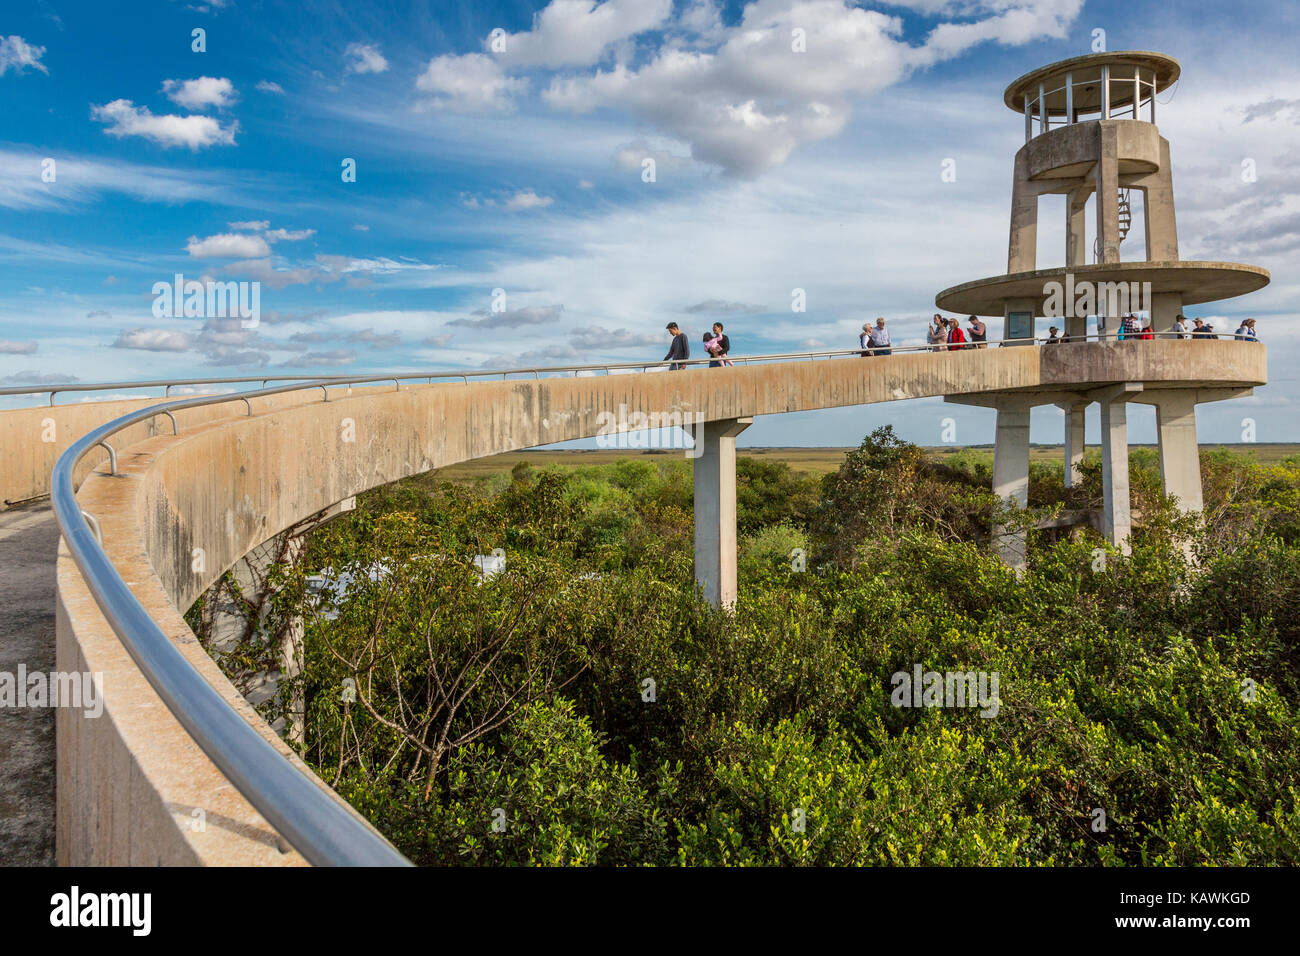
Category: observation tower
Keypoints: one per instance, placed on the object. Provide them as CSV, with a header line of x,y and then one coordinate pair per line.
x,y
1091,135
1090,127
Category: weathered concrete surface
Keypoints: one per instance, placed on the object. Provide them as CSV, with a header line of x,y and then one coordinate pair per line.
x,y
129,782
1196,282
29,539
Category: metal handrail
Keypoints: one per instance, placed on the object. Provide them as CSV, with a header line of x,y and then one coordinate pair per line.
x,y
316,380
313,820
315,823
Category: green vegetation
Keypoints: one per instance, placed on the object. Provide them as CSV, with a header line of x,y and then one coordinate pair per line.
x,y
584,707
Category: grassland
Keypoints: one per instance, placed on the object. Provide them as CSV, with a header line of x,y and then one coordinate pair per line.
x,y
819,460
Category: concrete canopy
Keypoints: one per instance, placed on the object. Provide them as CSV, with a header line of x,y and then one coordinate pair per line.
x,y
1084,68
1197,282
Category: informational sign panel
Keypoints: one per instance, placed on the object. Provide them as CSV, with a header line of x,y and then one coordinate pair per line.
x,y
1020,325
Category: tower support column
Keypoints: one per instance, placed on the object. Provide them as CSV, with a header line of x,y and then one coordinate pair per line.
x,y
715,508
1011,474
1180,457
1117,520
1074,441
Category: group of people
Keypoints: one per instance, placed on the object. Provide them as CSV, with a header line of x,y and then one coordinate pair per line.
x,y
947,335
943,335
716,344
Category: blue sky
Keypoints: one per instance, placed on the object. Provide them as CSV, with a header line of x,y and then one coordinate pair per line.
x,y
520,168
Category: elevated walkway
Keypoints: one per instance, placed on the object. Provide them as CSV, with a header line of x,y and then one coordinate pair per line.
x,y
184,507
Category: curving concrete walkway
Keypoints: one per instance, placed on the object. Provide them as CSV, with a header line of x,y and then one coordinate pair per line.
x,y
29,545
134,788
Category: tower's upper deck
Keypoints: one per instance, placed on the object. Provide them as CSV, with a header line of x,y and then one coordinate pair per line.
x,y
1098,86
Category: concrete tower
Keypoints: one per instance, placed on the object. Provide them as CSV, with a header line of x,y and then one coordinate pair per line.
x,y
1090,128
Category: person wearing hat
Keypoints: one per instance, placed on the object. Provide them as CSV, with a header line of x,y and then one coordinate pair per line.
x,y
1052,338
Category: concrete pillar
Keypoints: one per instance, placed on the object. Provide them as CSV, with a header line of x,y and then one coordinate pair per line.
x,y
715,508
1180,457
1011,475
1117,521
1074,441
1158,207
1076,227
1022,249
1014,336
1165,308
1106,175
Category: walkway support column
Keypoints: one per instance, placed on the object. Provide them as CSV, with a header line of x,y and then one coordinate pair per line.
x,y
1074,441
1180,457
1117,520
715,508
1011,474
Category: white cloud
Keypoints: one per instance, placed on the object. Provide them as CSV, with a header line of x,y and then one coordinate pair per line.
x,y
364,58
266,86
471,83
361,227
251,225
154,340
286,235
17,53
200,94
11,347
127,119
741,97
228,245
527,199
579,32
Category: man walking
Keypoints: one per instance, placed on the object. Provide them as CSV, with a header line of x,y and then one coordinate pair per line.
x,y
680,347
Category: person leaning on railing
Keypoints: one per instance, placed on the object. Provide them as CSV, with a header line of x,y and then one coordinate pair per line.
x,y
1246,331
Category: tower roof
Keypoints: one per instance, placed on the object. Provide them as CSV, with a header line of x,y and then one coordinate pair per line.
x,y
1087,97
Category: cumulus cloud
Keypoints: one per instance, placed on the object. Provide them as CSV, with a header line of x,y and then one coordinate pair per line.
x,y
154,340
511,318
17,54
580,32
228,245
127,119
527,199
742,96
251,225
200,94
11,347
473,83
364,58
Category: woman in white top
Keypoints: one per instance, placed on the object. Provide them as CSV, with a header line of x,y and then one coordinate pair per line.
x,y
937,336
